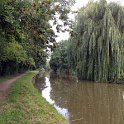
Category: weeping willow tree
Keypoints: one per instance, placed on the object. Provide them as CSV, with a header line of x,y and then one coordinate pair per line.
x,y
96,48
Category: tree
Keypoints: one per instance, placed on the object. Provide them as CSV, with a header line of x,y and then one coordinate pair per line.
x,y
96,49
59,57
25,27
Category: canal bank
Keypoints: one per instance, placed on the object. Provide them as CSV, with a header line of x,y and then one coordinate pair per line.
x,y
25,105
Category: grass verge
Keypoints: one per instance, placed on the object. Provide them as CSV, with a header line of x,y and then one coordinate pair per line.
x,y
2,79
25,105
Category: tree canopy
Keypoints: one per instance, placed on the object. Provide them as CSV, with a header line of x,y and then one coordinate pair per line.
x,y
59,60
25,32
96,47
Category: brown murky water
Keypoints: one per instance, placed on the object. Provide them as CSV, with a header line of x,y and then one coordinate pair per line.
x,y
84,102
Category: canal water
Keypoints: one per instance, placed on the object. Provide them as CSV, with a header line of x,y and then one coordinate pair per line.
x,y
83,102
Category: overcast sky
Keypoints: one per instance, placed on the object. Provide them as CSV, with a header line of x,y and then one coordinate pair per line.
x,y
78,4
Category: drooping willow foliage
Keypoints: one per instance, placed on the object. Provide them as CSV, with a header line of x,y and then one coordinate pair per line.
x,y
96,51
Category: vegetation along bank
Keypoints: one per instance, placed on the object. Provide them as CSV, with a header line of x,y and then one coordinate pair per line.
x,y
25,105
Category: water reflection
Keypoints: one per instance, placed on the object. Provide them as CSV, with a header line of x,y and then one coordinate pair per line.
x,y
44,85
85,102
46,91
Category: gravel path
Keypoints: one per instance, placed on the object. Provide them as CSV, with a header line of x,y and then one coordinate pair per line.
x,y
5,86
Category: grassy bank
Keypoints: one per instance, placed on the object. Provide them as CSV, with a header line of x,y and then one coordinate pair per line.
x,y
26,106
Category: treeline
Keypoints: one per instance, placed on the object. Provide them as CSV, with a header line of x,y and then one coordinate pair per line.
x,y
96,46
59,59
25,32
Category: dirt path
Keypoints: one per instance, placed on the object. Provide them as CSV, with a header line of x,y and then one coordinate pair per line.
x,y
4,87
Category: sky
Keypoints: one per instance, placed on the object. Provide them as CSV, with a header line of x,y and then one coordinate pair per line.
x,y
79,4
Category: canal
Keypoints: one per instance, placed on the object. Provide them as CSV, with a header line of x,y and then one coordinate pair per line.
x,y
83,102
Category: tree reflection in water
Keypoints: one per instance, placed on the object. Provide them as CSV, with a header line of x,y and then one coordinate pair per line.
x,y
87,102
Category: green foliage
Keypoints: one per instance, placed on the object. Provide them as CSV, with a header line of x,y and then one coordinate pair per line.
x,y
96,50
25,105
13,52
59,57
25,32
